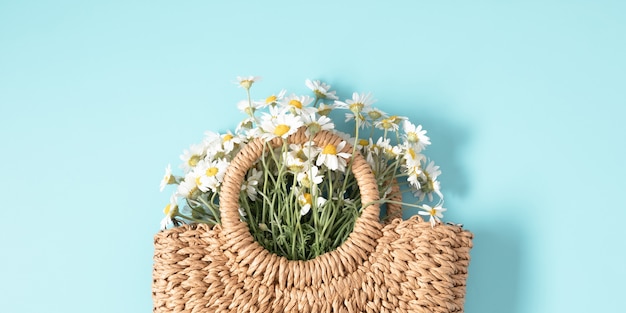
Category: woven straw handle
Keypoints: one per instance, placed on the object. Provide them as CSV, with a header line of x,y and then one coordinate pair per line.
x,y
366,226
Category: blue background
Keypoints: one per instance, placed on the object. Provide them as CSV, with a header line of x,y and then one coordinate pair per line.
x,y
524,102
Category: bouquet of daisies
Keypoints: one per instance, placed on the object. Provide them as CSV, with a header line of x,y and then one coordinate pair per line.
x,y
301,200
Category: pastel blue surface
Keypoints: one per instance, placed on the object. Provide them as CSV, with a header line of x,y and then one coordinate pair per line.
x,y
524,102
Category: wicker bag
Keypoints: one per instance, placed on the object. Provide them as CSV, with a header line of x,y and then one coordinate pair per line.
x,y
404,266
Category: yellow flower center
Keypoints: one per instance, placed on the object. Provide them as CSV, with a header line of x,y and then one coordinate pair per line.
x,y
167,209
227,137
412,137
363,142
433,212
212,171
330,149
198,183
193,160
281,129
270,99
295,103
412,153
307,199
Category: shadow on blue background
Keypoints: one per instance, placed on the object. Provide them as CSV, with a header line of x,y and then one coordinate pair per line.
x,y
495,269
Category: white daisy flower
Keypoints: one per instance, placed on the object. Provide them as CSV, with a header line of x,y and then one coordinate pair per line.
x,y
168,178
192,156
244,126
332,158
305,151
212,174
189,186
363,144
358,103
273,114
283,126
390,123
416,136
412,157
362,119
429,183
374,114
251,184
298,105
248,107
229,141
325,109
274,99
384,146
314,126
306,202
321,90
294,163
435,213
170,211
247,81
212,145
310,178
414,172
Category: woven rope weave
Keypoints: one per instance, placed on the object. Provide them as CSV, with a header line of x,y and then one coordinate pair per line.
x,y
404,266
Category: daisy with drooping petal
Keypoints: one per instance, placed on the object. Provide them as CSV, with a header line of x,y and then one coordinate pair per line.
x,y
251,184
333,158
247,81
415,136
212,174
168,178
283,126
306,202
414,172
435,213
170,211
310,178
429,183
192,156
320,89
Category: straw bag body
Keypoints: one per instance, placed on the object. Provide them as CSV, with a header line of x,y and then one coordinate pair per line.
x,y
404,266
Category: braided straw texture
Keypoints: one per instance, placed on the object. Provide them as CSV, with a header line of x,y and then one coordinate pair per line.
x,y
404,266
